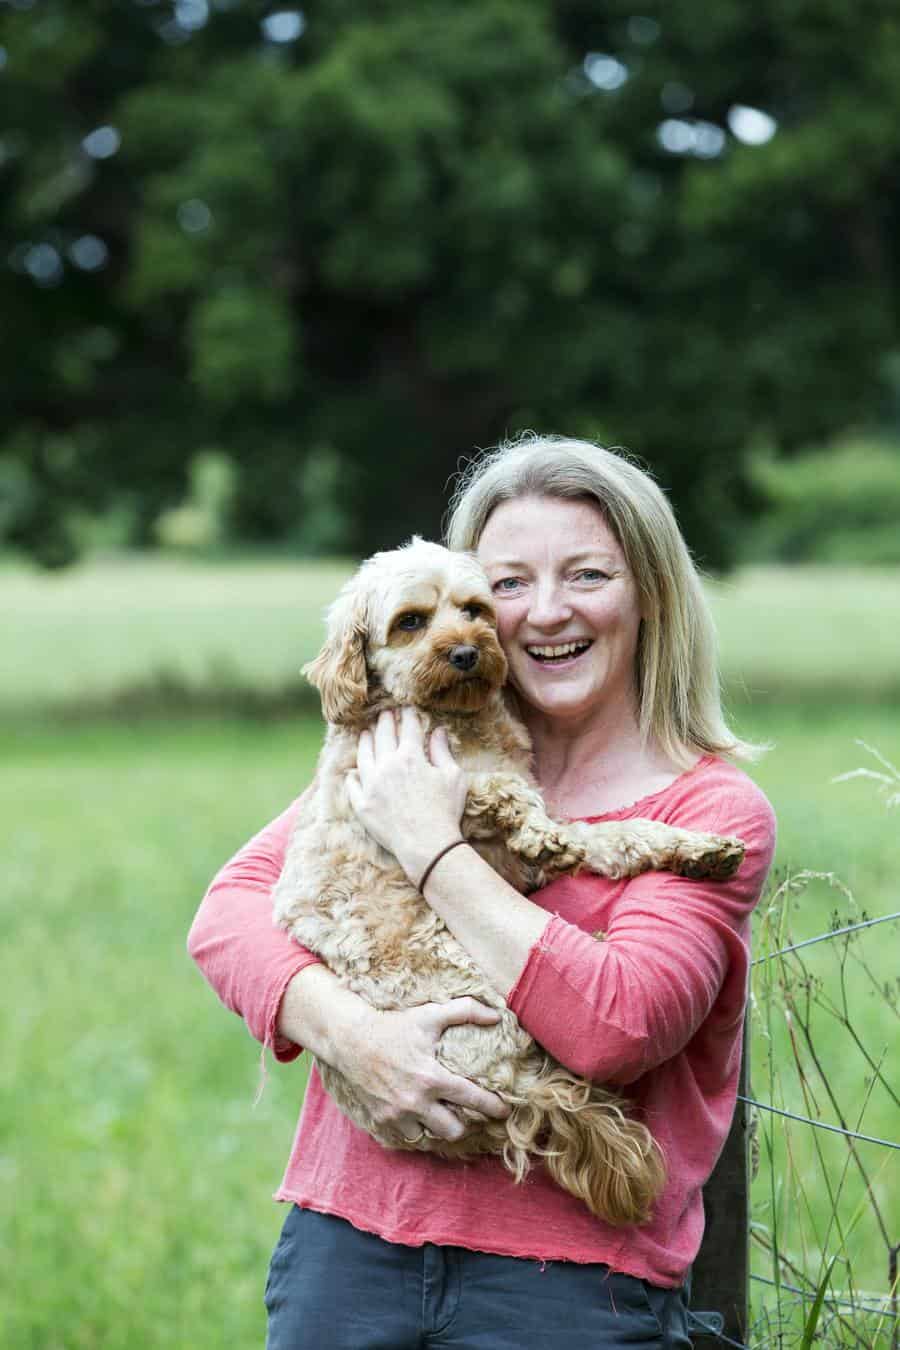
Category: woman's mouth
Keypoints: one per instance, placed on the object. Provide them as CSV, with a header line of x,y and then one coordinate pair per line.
x,y
558,654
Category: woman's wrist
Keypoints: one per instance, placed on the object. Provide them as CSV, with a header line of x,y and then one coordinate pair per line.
x,y
420,853
492,921
320,1013
441,853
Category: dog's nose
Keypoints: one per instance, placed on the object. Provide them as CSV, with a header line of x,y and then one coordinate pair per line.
x,y
464,657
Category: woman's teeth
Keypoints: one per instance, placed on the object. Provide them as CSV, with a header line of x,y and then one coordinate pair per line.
x,y
558,653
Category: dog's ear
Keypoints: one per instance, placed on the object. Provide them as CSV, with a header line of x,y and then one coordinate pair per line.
x,y
339,671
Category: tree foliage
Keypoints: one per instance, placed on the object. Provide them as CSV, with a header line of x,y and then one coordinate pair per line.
x,y
387,234
834,505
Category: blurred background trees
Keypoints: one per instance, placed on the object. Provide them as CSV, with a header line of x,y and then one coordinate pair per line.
x,y
267,273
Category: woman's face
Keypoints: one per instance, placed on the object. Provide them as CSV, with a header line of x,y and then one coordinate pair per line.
x,y
567,605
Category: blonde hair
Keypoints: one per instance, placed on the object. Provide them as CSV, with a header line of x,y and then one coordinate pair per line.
x,y
677,672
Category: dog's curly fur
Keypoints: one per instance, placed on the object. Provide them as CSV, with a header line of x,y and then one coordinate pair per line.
x,y
393,636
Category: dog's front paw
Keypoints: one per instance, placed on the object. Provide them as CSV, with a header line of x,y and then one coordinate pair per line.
x,y
530,843
548,846
711,856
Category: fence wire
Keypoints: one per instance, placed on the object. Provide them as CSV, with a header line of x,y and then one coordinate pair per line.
x,y
795,1011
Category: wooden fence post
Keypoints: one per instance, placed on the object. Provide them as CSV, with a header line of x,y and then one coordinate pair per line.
x,y
721,1276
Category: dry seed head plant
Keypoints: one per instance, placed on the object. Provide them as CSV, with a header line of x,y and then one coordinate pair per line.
x,y
417,627
825,1019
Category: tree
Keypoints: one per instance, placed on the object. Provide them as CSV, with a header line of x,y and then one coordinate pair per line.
x,y
394,235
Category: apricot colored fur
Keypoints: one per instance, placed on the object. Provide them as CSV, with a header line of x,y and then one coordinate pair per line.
x,y
347,899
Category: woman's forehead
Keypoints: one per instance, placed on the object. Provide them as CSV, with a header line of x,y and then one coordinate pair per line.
x,y
527,528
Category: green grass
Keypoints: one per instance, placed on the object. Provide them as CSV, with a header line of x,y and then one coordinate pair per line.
x,y
820,633
141,1172
85,635
138,1170
88,634
846,830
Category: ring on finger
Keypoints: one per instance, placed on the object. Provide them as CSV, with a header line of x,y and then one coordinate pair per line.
x,y
417,1138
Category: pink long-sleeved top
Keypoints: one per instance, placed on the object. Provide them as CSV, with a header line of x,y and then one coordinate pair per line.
x,y
656,1008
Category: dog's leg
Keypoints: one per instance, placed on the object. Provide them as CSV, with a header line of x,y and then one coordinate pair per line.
x,y
507,805
625,848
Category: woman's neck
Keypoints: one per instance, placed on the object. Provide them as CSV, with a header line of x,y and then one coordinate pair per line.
x,y
593,765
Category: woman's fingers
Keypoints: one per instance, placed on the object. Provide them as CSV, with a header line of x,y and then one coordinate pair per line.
x,y
410,729
443,1123
410,1127
439,751
385,734
365,753
438,1117
461,1091
354,791
453,1087
456,1011
437,1120
395,1064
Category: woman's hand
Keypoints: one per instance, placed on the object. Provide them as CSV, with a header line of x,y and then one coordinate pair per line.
x,y
392,1059
410,801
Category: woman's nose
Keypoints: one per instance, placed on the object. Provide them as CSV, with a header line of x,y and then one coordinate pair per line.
x,y
548,607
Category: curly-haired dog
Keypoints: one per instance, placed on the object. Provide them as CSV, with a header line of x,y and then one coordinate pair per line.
x,y
416,626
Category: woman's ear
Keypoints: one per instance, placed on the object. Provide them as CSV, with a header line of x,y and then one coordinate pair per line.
x,y
339,671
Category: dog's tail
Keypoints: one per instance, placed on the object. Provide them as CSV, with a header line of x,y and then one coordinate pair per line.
x,y
589,1145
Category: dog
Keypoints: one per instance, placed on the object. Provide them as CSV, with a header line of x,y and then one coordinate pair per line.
x,y
416,626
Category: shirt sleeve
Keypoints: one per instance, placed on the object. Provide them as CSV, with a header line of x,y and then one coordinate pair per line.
x,y
674,957
242,955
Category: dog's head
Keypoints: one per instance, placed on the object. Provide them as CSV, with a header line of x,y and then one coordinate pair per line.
x,y
416,624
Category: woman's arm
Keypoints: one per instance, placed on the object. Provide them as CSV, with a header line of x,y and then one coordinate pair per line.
x,y
609,1010
247,960
413,806
289,999
390,1056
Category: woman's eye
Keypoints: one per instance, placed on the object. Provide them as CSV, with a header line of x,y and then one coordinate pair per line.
x,y
410,622
507,584
591,574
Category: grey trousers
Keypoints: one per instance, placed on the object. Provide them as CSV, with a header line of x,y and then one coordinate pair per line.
x,y
332,1287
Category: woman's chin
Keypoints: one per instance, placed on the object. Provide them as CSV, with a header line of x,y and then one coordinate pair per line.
x,y
560,698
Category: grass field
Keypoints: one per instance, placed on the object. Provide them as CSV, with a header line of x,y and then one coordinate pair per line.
x,y
818,634
138,1169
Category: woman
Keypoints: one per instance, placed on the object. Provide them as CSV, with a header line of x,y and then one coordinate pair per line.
x,y
612,666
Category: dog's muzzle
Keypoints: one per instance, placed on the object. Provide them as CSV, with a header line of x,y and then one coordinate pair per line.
x,y
463,657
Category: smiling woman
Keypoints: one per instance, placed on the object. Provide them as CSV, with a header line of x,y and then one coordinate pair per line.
x,y
568,610
612,667
581,546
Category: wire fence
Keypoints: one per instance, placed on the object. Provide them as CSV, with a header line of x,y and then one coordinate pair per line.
x,y
826,1103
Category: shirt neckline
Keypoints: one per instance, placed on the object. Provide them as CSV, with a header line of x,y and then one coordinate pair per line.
x,y
702,762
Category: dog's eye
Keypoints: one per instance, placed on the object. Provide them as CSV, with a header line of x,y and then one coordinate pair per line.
x,y
410,622
473,611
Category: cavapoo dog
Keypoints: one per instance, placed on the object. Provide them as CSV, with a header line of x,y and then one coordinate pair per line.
x,y
416,626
